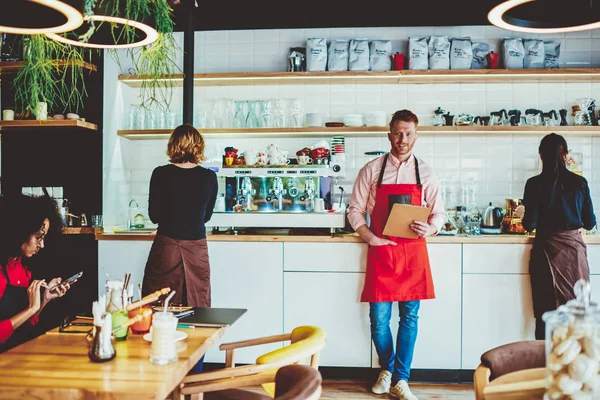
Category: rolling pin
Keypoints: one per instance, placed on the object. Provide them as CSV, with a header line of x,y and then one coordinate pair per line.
x,y
151,298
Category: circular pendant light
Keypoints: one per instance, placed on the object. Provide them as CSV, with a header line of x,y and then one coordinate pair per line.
x,y
31,17
109,33
546,16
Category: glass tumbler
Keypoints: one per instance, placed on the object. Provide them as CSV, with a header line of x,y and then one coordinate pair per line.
x,y
144,325
119,317
163,350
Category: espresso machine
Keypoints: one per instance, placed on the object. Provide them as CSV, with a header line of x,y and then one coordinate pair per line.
x,y
278,196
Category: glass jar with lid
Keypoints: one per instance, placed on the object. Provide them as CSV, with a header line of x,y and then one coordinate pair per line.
x,y
573,348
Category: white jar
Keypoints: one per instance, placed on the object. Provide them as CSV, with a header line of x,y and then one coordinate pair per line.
x,y
8,115
164,326
41,111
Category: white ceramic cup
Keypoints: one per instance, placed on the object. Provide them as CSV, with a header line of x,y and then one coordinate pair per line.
x,y
8,115
304,160
251,157
319,205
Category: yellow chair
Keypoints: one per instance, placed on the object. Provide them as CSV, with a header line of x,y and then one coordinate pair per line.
x,y
306,342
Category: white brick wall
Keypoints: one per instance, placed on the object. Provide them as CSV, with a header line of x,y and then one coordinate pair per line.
x,y
499,164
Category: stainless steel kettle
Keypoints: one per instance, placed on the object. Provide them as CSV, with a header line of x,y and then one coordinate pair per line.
x,y
492,217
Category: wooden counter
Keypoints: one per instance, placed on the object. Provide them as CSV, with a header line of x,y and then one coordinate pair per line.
x,y
346,238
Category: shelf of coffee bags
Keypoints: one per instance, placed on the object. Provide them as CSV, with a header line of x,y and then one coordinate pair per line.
x,y
382,77
365,131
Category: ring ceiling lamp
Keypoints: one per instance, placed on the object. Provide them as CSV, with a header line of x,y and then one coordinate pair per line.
x,y
546,16
31,17
107,29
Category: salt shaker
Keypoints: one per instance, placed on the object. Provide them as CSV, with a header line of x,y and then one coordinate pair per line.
x,y
164,326
573,348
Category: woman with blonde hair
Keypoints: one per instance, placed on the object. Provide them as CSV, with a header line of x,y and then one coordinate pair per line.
x,y
181,201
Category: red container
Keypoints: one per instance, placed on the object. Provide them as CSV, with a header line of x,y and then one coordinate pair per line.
x,y
492,60
398,62
144,325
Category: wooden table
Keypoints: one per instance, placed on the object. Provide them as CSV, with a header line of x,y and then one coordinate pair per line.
x,y
56,366
528,384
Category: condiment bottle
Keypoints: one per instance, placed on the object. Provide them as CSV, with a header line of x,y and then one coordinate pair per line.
x,y
573,347
101,347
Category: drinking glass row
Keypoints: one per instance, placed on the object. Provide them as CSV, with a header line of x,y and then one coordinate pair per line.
x,y
240,114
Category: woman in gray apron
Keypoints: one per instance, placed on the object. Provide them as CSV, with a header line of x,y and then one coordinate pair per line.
x,y
557,205
182,198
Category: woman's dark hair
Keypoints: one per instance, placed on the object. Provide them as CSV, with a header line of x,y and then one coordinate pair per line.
x,y
22,216
553,151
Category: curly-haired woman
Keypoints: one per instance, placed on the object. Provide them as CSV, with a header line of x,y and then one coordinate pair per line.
x,y
24,224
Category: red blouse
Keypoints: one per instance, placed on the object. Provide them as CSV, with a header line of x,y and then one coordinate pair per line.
x,y
18,275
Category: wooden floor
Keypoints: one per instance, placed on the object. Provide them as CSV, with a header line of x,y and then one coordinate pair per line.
x,y
354,390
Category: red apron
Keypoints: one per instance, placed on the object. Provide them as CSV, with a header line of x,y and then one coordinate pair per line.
x,y
401,272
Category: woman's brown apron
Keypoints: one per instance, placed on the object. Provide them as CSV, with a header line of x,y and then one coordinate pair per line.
x,y
183,266
558,260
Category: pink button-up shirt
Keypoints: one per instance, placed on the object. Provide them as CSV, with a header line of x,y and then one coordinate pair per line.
x,y
365,187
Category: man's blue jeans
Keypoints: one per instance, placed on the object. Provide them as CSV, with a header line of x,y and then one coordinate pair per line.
x,y
399,362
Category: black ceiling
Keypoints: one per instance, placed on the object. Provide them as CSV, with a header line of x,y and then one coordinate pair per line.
x,y
280,14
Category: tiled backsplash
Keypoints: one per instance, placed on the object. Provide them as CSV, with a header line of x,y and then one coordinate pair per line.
x,y
499,164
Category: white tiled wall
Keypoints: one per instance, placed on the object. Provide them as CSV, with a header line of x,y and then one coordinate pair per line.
x,y
499,164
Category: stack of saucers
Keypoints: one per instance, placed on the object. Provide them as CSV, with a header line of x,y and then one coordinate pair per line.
x,y
338,145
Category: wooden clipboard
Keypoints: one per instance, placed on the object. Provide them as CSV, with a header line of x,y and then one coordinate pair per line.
x,y
400,218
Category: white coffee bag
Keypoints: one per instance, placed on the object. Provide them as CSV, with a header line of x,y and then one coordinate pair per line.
x,y
418,54
337,58
534,53
461,53
514,53
380,52
439,52
551,54
359,55
480,52
316,54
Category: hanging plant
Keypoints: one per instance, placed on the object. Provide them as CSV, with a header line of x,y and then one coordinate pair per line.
x,y
52,73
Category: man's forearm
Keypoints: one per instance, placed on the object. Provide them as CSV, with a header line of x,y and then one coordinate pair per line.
x,y
365,233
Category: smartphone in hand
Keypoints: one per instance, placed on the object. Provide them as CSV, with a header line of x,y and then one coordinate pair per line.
x,y
70,281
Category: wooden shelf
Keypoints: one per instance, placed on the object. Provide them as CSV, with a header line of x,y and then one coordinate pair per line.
x,y
383,77
32,124
12,67
365,131
82,231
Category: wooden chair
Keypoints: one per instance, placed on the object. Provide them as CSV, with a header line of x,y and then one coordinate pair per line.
x,y
306,343
292,382
508,358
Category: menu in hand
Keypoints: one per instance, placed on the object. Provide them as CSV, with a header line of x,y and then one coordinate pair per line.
x,y
400,218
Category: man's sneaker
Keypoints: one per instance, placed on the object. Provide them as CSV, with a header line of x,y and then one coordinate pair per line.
x,y
383,383
401,391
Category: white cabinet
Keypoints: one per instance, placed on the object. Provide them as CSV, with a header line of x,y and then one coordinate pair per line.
x,y
332,302
115,258
496,258
325,257
497,309
248,275
438,342
593,251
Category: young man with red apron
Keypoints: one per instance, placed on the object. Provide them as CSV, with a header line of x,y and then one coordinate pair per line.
x,y
397,268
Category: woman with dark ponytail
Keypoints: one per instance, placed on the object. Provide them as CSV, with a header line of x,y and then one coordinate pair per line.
x,y
557,205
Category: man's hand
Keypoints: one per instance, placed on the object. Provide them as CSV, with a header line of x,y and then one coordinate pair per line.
x,y
377,241
423,229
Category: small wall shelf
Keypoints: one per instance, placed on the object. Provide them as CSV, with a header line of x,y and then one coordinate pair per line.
x,y
82,231
365,131
33,124
12,67
383,77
